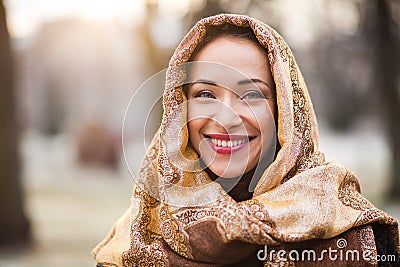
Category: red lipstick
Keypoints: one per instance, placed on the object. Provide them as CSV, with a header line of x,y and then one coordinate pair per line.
x,y
227,143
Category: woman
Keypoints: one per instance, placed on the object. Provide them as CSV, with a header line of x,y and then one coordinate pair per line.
x,y
185,209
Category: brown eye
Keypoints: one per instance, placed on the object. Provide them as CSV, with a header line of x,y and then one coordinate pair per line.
x,y
253,95
205,94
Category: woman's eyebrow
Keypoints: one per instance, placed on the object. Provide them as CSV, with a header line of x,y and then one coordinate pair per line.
x,y
247,81
205,81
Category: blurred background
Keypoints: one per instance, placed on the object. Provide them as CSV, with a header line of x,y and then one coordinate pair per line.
x,y
69,68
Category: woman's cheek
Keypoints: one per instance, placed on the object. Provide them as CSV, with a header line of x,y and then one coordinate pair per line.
x,y
195,126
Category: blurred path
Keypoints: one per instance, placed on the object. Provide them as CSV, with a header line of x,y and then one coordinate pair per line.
x,y
71,208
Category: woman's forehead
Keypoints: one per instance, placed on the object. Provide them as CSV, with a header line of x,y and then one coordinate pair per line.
x,y
232,51
234,59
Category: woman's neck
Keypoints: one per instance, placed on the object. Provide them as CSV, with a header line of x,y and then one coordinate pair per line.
x,y
238,187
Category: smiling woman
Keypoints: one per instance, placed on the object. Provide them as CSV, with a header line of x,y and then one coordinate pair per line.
x,y
231,117
215,189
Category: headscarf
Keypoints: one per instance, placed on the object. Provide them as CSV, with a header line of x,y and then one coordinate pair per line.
x,y
180,218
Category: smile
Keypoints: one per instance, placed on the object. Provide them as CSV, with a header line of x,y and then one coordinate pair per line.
x,y
224,143
227,144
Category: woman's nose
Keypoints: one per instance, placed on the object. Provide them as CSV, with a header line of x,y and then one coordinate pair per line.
x,y
227,115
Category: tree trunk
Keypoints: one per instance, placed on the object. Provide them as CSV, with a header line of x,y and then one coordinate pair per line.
x,y
14,227
387,54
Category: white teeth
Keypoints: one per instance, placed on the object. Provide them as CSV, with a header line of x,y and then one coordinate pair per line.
x,y
224,143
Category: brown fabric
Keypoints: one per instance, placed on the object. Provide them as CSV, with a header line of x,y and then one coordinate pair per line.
x,y
341,255
183,218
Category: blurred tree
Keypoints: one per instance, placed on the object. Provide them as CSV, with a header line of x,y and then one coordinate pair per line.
x,y
14,226
212,7
340,67
382,33
158,58
362,73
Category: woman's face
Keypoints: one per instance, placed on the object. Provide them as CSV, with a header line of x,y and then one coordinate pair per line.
x,y
231,106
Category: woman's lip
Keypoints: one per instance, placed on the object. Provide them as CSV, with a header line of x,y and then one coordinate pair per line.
x,y
226,149
227,137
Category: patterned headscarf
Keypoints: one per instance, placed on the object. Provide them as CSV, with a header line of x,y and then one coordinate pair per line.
x,y
181,218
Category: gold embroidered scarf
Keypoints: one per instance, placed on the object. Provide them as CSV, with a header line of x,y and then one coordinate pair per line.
x,y
180,218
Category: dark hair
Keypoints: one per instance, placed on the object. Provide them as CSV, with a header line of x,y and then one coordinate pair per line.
x,y
226,30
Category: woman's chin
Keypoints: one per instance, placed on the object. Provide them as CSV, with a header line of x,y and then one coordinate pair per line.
x,y
227,173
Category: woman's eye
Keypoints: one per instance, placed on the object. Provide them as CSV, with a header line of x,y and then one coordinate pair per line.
x,y
205,94
253,95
